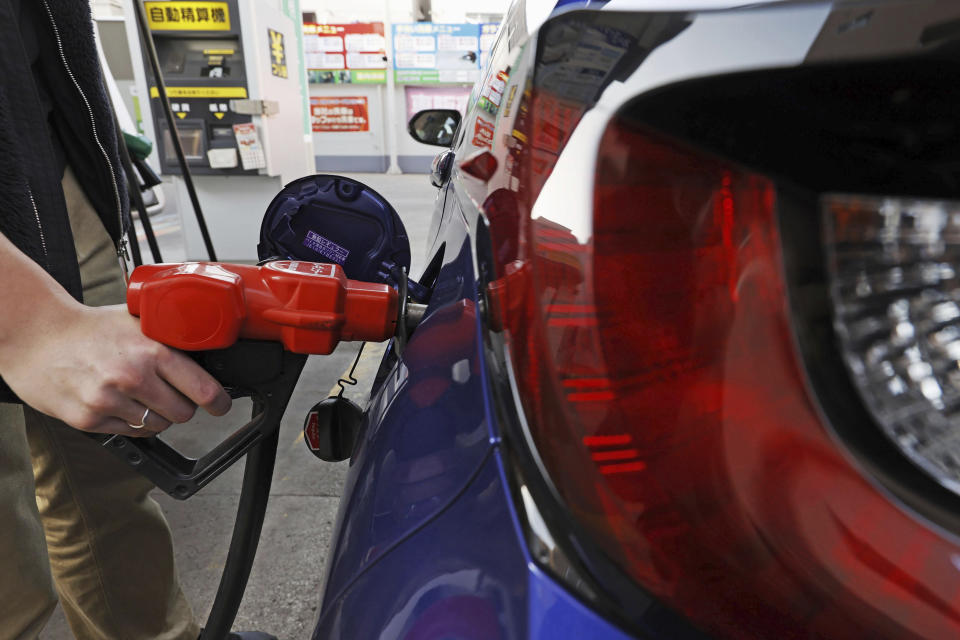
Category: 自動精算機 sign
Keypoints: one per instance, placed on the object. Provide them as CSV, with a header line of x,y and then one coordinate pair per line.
x,y
178,15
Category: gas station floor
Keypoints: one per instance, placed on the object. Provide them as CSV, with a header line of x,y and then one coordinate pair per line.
x,y
283,592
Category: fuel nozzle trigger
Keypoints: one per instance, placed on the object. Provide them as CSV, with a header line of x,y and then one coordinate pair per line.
x,y
269,384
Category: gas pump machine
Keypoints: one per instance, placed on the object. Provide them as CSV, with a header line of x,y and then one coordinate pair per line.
x,y
235,83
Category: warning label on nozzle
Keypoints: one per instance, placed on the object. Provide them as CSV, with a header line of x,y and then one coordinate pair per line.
x,y
326,248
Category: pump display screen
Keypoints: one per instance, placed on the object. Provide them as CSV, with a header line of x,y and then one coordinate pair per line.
x,y
198,57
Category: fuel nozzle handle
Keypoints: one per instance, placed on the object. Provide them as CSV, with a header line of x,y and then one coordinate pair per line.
x,y
307,307
252,328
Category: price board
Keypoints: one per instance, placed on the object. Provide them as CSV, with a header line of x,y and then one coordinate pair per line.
x,y
432,53
345,53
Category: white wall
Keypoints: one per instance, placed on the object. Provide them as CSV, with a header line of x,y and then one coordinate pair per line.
x,y
105,8
353,150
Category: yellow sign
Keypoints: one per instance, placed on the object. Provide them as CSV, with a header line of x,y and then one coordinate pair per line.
x,y
218,52
187,16
218,115
278,54
201,92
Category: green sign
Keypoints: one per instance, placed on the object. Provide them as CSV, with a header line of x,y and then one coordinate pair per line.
x,y
368,76
347,76
414,76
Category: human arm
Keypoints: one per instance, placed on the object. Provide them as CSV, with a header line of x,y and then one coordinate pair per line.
x,y
91,366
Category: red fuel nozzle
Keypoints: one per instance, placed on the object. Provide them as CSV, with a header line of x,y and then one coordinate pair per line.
x,y
309,307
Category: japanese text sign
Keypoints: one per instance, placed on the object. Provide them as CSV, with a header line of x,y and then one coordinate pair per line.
x,y
427,52
187,16
339,113
338,53
278,56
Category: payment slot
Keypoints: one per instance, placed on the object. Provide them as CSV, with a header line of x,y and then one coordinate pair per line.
x,y
234,81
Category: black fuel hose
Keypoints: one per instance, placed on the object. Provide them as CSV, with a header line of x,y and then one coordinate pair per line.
x,y
133,185
254,494
147,40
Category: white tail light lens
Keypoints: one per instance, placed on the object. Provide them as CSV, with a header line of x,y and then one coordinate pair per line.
x,y
893,280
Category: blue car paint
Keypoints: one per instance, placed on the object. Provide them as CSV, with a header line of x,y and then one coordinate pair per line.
x,y
580,4
403,541
425,433
465,574
441,568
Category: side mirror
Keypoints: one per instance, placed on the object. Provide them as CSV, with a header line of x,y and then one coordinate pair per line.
x,y
434,126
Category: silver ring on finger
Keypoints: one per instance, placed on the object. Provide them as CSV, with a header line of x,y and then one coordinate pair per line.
x,y
143,421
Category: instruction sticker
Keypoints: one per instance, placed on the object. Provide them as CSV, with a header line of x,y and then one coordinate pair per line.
x,y
201,92
248,141
177,15
326,248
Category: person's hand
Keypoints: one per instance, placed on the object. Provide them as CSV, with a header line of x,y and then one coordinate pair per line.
x,y
92,368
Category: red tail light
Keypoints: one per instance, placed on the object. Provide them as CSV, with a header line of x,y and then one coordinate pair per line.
x,y
481,165
656,365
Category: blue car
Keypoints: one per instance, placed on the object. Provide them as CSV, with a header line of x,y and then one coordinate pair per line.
x,y
688,366
685,358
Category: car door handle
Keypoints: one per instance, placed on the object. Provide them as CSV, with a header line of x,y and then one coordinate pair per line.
x,y
441,168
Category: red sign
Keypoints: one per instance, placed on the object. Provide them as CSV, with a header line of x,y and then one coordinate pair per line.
x,y
483,133
338,113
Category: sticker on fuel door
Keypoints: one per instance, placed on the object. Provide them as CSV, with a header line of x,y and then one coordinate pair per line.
x,y
328,249
296,266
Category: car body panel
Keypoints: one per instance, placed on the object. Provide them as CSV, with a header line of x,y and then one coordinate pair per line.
x,y
465,574
425,431
463,571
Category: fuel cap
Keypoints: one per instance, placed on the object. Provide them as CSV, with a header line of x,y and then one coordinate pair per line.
x,y
326,218
331,427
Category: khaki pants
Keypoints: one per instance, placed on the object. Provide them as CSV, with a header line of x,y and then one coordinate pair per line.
x,y
74,520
